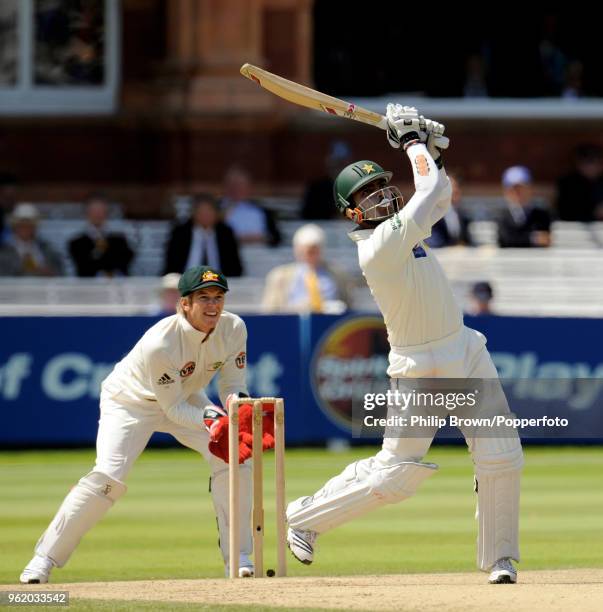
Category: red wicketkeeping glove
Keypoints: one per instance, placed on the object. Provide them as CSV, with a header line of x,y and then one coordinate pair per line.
x,y
216,423
245,420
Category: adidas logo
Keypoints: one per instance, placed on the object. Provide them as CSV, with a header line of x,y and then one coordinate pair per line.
x,y
165,380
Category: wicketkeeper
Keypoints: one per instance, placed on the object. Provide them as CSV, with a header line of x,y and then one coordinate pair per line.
x,y
159,386
428,340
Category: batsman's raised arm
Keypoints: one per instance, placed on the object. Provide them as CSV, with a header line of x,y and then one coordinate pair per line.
x,y
408,130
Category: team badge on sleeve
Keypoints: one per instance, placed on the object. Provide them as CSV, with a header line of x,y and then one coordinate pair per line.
x,y
422,165
187,369
241,360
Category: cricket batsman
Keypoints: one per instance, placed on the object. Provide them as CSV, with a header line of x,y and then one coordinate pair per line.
x,y
427,340
159,386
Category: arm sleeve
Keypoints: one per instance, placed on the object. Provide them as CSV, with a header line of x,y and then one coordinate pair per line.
x,y
428,188
233,374
395,238
199,399
167,387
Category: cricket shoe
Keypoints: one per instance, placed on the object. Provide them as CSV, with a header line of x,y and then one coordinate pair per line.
x,y
37,570
503,572
246,569
301,544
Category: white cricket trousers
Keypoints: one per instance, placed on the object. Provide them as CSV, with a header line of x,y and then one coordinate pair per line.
x,y
396,471
497,455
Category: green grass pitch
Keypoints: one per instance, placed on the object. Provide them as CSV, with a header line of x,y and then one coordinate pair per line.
x,y
165,526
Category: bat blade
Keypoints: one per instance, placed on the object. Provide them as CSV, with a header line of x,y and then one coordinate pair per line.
x,y
310,98
316,100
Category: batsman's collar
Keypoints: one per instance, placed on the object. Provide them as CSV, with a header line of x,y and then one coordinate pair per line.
x,y
199,277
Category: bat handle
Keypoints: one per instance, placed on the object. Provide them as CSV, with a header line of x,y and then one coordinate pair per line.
x,y
382,123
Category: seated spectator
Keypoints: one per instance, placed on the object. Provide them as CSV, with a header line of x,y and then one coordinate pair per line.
x,y
169,296
521,223
23,253
8,192
453,228
203,240
480,299
580,193
99,252
250,222
309,284
318,197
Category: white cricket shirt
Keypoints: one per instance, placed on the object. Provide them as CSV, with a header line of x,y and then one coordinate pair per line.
x,y
172,363
408,284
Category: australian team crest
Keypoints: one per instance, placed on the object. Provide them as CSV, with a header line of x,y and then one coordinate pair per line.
x,y
209,276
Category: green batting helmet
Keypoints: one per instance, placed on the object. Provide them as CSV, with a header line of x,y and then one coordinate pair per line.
x,y
353,177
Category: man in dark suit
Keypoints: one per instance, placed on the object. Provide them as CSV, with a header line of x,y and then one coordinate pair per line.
x,y
203,240
98,252
522,224
580,193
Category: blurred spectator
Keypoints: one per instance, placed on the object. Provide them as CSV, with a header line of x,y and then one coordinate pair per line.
x,y
573,86
475,77
521,223
250,222
480,299
23,253
309,284
8,192
203,240
553,62
453,228
580,193
169,295
318,197
98,252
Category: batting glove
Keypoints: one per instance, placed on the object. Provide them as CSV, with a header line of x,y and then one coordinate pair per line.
x,y
432,134
403,125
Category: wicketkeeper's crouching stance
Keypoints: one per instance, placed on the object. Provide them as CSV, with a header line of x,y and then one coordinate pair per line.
x,y
428,340
159,386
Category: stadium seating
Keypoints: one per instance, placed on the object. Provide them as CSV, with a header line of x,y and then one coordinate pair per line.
x,y
564,280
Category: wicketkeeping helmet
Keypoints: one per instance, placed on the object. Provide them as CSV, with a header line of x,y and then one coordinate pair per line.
x,y
382,204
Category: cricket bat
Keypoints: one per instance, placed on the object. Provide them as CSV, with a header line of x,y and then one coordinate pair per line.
x,y
310,98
